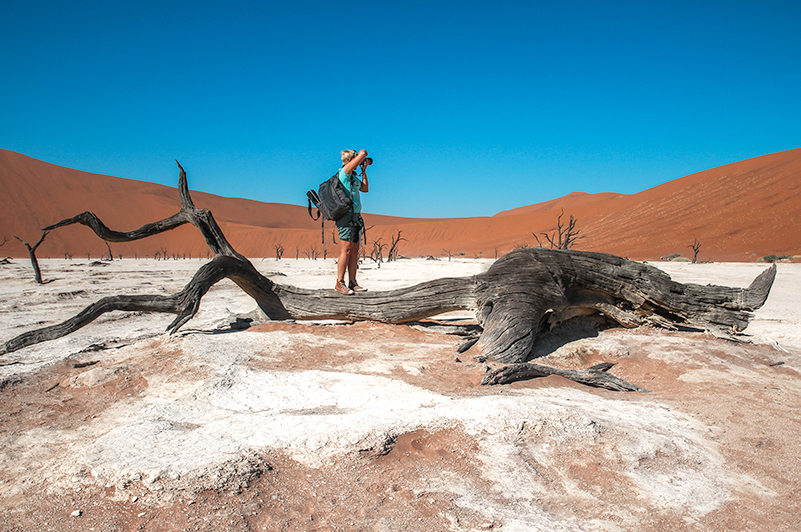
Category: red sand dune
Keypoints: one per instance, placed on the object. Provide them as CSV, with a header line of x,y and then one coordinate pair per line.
x,y
739,212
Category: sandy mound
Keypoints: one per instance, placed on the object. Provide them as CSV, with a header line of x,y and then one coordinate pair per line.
x,y
366,426
739,212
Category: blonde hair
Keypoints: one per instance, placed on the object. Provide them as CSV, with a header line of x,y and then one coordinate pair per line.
x,y
347,155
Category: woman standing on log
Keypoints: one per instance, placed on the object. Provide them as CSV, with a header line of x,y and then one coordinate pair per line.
x,y
351,225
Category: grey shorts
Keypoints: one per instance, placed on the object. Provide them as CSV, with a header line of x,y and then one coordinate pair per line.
x,y
350,227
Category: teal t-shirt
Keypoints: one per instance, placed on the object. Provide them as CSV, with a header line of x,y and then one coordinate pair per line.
x,y
343,178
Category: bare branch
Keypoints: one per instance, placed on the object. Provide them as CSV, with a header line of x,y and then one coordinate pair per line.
x,y
311,252
185,303
563,237
393,250
377,253
590,377
200,218
696,247
37,273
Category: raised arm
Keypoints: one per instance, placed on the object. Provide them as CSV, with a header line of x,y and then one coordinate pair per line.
x,y
351,165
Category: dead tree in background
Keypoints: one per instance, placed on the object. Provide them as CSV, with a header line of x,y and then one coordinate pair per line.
x,y
279,251
696,246
522,296
311,252
377,253
563,237
37,273
4,261
392,254
333,240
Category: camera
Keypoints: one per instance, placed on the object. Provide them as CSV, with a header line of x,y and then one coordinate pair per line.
x,y
367,161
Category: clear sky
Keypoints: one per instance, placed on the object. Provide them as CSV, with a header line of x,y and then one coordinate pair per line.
x,y
468,108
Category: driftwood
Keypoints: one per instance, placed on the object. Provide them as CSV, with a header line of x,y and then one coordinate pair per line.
x,y
523,294
595,376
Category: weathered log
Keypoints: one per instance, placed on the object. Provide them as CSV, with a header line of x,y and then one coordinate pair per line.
x,y
529,291
394,306
532,290
597,378
523,294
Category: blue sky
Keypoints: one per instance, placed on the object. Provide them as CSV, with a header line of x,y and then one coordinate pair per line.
x,y
468,108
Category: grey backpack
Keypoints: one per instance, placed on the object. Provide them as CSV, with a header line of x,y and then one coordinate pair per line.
x,y
331,200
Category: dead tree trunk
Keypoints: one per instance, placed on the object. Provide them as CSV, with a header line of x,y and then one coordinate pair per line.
x,y
563,237
696,246
392,254
3,243
37,273
533,290
523,294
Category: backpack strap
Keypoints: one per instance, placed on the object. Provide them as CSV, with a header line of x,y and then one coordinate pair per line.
x,y
312,197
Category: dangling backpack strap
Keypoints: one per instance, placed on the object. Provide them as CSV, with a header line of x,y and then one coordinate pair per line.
x,y
364,232
313,199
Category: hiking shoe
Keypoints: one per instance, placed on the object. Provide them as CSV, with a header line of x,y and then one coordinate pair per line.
x,y
342,289
355,287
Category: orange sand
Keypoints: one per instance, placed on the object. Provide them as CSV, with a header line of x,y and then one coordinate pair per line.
x,y
739,212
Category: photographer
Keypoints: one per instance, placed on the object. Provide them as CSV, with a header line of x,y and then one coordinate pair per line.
x,y
351,225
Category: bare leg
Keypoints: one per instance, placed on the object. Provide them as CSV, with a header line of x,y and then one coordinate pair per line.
x,y
344,258
343,263
353,262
